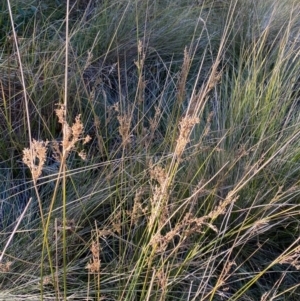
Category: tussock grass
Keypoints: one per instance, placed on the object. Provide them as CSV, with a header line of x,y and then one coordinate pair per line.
x,y
150,150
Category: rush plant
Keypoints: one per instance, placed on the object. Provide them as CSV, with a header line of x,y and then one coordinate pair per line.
x,y
149,150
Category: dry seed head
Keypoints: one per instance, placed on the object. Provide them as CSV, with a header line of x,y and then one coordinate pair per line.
x,y
95,249
56,151
162,279
158,174
193,225
82,155
103,233
77,128
35,157
158,208
124,128
154,214
71,135
137,209
165,213
67,137
213,227
185,127
94,265
87,139
181,89
214,80
259,224
115,220
140,63
5,267
61,113
227,269
292,258
158,243
187,226
222,207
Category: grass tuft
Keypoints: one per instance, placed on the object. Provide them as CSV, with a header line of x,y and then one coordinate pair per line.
x,y
150,150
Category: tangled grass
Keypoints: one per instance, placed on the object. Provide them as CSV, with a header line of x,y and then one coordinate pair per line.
x,y
150,150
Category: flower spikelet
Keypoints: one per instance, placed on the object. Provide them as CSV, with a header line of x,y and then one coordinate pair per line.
x,y
292,258
159,174
222,207
77,128
94,265
185,127
124,128
35,157
181,85
71,134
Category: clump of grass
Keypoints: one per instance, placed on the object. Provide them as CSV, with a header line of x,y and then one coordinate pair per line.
x,y
163,152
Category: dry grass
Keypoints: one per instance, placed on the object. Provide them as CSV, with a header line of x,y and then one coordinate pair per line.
x,y
158,155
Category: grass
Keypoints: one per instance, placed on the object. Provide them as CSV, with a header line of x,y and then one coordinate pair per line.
x,y
149,150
